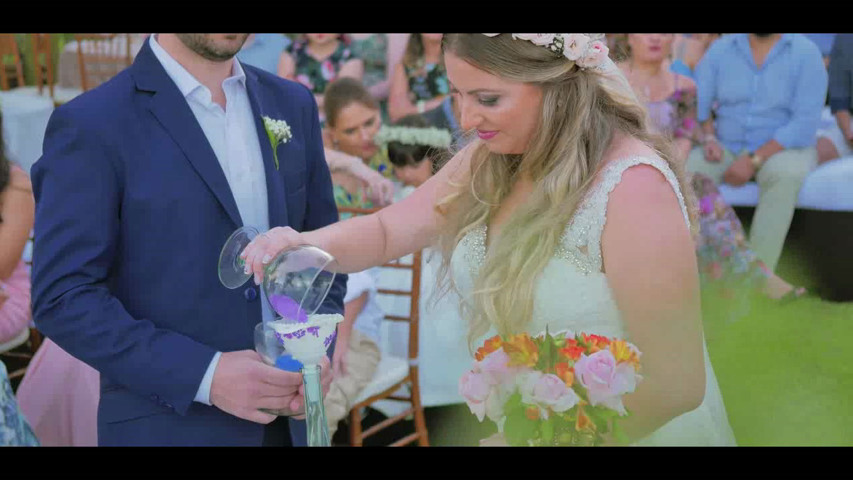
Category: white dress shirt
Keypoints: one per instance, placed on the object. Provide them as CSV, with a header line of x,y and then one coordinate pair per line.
x,y
232,134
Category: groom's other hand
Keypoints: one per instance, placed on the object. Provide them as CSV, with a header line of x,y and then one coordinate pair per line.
x,y
243,383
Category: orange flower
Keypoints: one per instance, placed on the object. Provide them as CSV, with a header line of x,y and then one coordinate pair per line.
x,y
532,413
595,342
572,350
488,347
566,373
522,350
624,353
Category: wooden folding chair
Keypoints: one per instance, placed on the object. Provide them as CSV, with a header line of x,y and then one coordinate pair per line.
x,y
43,49
395,374
101,57
14,71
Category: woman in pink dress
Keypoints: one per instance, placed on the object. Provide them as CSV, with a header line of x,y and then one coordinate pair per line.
x,y
59,398
59,394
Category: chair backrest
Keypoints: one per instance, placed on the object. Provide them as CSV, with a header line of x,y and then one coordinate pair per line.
x,y
43,51
9,51
414,292
101,57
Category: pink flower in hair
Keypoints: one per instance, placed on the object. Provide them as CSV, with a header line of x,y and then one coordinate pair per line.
x,y
594,55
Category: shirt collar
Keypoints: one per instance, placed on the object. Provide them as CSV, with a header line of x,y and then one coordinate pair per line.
x,y
743,41
185,81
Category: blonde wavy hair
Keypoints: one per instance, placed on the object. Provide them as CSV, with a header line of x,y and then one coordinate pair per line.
x,y
581,112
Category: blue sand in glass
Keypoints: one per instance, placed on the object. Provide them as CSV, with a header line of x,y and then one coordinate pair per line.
x,y
288,363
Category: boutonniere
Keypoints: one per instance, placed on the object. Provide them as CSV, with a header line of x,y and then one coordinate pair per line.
x,y
278,131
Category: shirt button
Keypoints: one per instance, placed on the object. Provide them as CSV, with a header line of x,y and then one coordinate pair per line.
x,y
251,294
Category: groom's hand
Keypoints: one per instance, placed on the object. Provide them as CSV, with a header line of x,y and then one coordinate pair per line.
x,y
243,384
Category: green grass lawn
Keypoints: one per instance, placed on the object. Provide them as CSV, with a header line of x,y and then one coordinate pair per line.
x,y
786,372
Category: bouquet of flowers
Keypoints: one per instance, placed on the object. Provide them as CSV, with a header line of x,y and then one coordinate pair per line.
x,y
564,389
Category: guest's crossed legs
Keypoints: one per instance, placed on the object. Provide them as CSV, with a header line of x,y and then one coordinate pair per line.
x,y
779,182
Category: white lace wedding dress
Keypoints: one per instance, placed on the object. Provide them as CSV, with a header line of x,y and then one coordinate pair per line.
x,y
573,294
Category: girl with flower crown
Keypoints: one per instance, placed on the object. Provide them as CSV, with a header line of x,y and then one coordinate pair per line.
x,y
567,212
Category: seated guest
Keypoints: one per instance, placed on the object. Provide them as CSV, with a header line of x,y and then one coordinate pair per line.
x,y
317,59
769,90
353,119
17,214
380,52
689,50
420,81
416,149
837,141
824,42
726,263
14,430
59,397
357,352
263,50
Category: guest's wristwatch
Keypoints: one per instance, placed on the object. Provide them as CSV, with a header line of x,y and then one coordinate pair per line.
x,y
757,161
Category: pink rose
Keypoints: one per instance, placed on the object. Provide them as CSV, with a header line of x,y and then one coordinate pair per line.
x,y
475,390
547,391
541,39
594,55
604,380
495,367
574,45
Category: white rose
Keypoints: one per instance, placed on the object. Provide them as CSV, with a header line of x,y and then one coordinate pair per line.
x,y
574,45
541,39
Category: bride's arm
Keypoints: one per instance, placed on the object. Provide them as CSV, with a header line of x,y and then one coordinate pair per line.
x,y
650,262
371,240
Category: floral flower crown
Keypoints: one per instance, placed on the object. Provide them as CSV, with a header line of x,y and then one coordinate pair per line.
x,y
431,136
585,49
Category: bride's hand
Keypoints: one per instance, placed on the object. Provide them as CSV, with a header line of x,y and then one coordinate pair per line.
x,y
266,246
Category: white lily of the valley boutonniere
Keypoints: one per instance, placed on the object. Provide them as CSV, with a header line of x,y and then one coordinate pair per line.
x,y
278,132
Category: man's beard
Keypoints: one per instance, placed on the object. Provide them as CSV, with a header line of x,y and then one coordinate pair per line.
x,y
203,44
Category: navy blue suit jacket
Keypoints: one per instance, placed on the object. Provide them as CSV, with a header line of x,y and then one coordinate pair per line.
x,y
132,208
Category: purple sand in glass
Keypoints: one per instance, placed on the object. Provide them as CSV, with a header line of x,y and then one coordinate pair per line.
x,y
288,308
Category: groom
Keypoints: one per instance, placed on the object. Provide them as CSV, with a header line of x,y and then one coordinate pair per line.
x,y
141,182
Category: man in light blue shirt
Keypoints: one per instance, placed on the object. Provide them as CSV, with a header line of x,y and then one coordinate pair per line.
x,y
768,91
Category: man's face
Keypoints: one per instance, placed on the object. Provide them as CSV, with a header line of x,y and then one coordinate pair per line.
x,y
216,47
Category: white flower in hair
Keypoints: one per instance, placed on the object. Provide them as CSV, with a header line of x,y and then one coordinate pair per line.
x,y
541,39
574,45
429,136
586,50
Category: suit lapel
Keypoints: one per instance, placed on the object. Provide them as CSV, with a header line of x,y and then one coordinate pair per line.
x,y
170,108
276,198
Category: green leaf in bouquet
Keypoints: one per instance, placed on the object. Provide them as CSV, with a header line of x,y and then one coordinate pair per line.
x,y
546,354
518,429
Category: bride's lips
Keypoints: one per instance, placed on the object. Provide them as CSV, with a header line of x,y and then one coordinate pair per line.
x,y
486,135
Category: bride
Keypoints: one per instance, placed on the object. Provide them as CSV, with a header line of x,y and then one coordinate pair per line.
x,y
567,212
